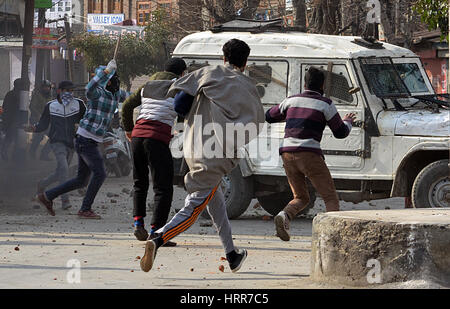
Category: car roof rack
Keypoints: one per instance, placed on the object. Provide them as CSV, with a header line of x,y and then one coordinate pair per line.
x,y
254,26
369,42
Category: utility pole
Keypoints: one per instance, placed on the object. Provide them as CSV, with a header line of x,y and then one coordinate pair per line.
x,y
27,41
69,49
21,139
40,53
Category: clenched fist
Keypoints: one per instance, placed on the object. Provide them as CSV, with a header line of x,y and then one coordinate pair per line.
x,y
112,66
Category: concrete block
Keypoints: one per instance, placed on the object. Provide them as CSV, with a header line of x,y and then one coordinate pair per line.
x,y
367,247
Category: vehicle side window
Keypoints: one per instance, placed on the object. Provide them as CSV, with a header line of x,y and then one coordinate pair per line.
x,y
338,82
270,78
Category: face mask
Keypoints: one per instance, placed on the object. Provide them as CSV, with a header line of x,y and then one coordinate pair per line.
x,y
114,86
66,97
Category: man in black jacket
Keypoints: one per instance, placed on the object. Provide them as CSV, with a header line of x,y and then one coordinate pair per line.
x,y
61,115
42,94
10,117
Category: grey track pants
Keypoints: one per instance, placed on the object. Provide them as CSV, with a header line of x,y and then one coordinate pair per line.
x,y
63,155
194,204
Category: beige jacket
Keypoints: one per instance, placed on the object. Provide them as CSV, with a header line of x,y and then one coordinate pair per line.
x,y
224,97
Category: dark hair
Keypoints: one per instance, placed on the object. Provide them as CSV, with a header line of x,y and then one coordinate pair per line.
x,y
236,52
46,83
314,79
66,84
18,84
175,66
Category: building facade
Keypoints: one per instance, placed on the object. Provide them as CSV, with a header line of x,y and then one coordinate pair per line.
x,y
434,54
125,7
145,8
54,15
12,13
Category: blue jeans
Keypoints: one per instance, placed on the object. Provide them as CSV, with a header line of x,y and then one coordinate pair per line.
x,y
89,160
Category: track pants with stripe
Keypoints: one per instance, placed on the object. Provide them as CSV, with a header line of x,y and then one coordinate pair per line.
x,y
194,204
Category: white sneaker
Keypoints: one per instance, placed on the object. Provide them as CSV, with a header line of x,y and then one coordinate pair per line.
x,y
282,225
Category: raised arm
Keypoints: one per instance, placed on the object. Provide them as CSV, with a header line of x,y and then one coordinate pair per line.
x,y
277,113
183,103
101,78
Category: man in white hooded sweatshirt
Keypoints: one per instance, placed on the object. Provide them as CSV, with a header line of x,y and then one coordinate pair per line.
x,y
211,99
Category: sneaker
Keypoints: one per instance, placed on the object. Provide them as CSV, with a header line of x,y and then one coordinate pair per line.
x,y
149,255
140,232
236,259
88,214
167,244
282,226
42,199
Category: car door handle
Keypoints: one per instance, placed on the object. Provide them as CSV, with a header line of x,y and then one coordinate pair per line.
x,y
359,123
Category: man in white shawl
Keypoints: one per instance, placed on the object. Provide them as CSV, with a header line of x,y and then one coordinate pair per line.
x,y
213,99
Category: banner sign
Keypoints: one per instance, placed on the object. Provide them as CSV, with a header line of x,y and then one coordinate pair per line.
x,y
115,31
42,4
97,22
289,5
43,39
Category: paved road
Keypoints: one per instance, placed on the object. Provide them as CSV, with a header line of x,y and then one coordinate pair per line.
x,y
40,251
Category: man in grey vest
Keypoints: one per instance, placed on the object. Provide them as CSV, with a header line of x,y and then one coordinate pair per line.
x,y
150,138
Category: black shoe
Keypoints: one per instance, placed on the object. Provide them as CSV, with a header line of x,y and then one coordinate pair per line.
x,y
167,244
236,258
170,244
140,232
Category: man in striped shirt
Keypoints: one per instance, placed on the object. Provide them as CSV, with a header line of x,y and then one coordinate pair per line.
x,y
306,116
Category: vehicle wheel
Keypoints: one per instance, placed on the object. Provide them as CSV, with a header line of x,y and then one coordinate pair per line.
x,y
238,193
117,170
125,165
274,203
432,186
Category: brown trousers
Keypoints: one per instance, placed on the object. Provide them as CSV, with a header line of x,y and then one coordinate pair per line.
x,y
299,165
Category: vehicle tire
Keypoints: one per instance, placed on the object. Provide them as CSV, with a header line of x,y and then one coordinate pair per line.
x,y
125,165
238,193
117,169
431,188
274,203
